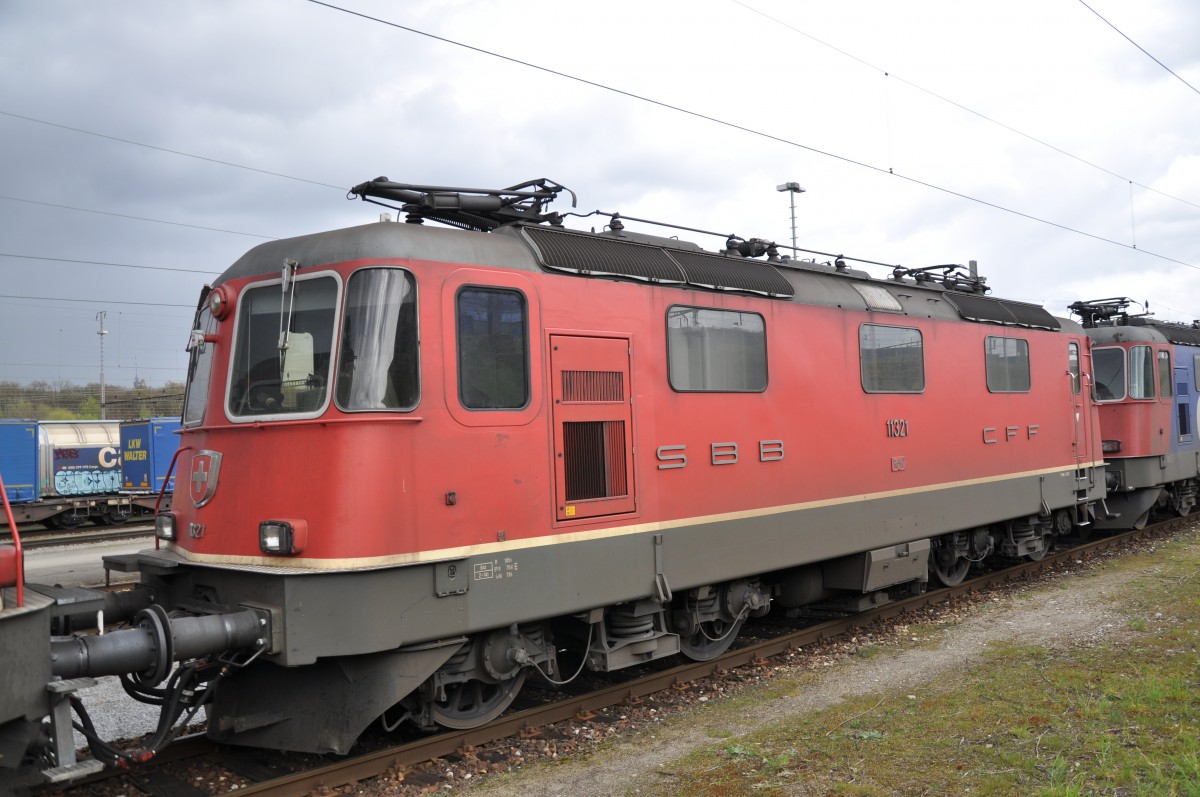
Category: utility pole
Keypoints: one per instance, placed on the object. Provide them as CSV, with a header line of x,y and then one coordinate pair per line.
x,y
100,317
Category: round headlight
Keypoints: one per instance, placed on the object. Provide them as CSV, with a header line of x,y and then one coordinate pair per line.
x,y
218,303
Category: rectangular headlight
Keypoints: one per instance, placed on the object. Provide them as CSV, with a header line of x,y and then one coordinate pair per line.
x,y
1111,446
275,536
164,526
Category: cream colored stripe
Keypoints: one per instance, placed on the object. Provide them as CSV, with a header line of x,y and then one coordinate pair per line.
x,y
372,563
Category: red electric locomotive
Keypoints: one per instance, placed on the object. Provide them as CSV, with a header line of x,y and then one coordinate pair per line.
x,y
419,465
1146,388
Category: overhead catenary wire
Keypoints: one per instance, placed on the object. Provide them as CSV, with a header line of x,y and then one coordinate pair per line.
x,y
893,76
126,215
668,106
749,130
104,263
1140,47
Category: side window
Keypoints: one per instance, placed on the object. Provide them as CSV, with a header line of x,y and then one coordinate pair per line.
x,y
377,363
1073,366
199,372
721,351
891,359
1007,362
1196,369
1141,372
1108,366
1165,374
493,349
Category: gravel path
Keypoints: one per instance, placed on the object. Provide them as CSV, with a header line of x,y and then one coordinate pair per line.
x,y
1071,612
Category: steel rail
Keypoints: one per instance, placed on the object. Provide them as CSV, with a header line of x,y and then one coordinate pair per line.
x,y
51,539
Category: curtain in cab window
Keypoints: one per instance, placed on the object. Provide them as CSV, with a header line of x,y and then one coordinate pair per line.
x,y
377,364
1141,372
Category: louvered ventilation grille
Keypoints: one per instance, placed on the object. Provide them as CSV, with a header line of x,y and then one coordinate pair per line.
x,y
594,459
593,386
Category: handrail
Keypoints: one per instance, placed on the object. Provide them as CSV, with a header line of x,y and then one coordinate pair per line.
x,y
162,491
16,536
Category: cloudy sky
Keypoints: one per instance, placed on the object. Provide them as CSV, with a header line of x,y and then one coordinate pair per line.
x,y
146,145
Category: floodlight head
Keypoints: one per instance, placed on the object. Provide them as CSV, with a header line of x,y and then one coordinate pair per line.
x,y
793,187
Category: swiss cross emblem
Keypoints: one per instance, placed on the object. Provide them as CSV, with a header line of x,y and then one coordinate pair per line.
x,y
206,467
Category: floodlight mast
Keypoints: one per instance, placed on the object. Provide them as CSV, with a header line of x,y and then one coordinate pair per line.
x,y
792,189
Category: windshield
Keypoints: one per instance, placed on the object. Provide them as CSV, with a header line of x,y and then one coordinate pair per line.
x,y
282,355
1109,367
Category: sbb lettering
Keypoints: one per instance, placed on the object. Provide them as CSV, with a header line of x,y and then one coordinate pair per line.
x,y
723,453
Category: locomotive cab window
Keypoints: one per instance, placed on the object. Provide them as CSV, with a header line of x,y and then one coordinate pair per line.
x,y
1165,375
891,359
378,357
1073,368
1108,367
1007,364
1141,372
493,349
716,351
282,351
200,358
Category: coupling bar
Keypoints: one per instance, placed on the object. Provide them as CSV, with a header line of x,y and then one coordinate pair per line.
x,y
156,641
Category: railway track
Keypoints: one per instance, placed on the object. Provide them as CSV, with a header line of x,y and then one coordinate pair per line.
x,y
35,539
263,773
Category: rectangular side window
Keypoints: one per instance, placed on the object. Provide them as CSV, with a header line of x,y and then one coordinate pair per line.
x,y
891,359
493,349
1164,374
720,351
1007,362
1073,366
1196,370
1141,372
199,371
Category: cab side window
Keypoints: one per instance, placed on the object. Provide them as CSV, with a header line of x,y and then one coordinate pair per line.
x,y
493,349
1165,374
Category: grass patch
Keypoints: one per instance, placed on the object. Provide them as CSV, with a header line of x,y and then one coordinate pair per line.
x,y
1122,718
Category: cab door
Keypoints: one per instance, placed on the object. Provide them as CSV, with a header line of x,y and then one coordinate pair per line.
x,y
593,426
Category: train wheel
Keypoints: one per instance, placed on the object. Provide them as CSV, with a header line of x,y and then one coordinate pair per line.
x,y
947,565
710,639
116,518
1047,544
64,521
473,703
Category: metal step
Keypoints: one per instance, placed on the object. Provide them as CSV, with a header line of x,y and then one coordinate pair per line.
x,y
74,771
